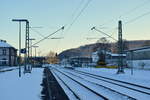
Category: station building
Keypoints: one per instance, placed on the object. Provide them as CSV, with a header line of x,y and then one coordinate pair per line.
x,y
139,58
8,54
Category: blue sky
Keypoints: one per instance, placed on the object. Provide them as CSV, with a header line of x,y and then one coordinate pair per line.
x,y
53,14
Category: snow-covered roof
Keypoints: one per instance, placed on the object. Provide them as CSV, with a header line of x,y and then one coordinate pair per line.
x,y
95,53
117,54
4,44
139,49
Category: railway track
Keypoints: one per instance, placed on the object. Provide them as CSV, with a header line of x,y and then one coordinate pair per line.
x,y
130,89
51,88
139,88
79,90
97,89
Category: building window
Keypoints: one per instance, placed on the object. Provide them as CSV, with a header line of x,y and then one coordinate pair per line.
x,y
4,61
4,51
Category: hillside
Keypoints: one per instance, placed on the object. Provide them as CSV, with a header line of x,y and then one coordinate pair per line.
x,y
86,50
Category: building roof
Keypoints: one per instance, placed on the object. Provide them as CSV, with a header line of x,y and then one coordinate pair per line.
x,y
3,43
117,54
136,49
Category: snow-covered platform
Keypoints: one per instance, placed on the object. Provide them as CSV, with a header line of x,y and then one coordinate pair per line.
x,y
26,87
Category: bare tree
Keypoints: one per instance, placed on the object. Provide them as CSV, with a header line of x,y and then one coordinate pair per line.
x,y
103,48
52,58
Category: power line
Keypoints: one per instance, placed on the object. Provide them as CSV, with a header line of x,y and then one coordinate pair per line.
x,y
79,14
37,32
134,19
57,44
137,7
76,10
138,17
127,13
93,28
85,6
62,28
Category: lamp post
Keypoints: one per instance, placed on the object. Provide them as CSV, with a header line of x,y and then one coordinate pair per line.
x,y
35,47
31,60
31,39
19,60
26,41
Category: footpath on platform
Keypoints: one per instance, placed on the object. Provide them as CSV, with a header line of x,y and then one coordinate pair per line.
x,y
26,87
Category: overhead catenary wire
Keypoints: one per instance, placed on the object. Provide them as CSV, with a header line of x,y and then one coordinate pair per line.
x,y
135,8
134,19
93,28
46,37
77,8
78,15
58,42
37,32
128,12
85,6
138,17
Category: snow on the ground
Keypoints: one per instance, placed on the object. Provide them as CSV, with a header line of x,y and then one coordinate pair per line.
x,y
26,87
140,77
93,85
107,93
81,91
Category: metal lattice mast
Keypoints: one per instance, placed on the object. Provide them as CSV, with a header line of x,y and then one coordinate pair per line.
x,y
27,46
120,48
26,49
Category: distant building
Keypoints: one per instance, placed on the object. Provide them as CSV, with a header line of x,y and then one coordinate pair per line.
x,y
110,58
80,61
95,57
64,61
8,54
113,59
139,58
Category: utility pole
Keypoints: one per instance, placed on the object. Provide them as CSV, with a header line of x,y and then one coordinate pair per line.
x,y
120,49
